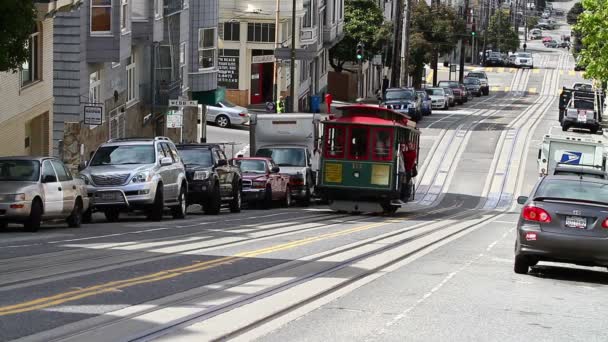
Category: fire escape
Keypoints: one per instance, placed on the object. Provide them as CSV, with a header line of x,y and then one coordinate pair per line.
x,y
167,76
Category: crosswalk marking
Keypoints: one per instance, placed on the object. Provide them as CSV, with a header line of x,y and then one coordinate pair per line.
x,y
489,69
507,89
532,90
536,71
501,70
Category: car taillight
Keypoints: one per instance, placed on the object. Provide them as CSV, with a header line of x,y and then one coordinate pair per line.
x,y
536,214
605,224
242,114
297,181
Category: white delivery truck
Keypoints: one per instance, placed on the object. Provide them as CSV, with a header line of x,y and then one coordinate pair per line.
x,y
292,141
562,154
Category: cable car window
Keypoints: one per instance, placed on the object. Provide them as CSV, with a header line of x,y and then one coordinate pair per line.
x,y
334,142
358,143
383,144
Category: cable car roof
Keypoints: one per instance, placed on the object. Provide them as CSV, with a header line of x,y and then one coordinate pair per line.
x,y
373,115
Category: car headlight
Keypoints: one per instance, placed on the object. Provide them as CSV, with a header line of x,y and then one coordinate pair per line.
x,y
85,179
12,198
141,177
200,175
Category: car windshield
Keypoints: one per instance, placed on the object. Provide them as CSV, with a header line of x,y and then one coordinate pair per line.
x,y
284,156
471,81
448,91
476,75
578,174
583,86
582,104
435,91
124,155
227,103
399,95
448,84
252,166
198,157
19,170
524,55
573,189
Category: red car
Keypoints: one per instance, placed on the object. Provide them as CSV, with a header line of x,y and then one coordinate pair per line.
x,y
547,39
262,182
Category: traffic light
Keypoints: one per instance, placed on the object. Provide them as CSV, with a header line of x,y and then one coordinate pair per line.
x,y
473,29
359,51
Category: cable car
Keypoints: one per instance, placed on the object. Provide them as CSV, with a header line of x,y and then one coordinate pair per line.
x,y
362,166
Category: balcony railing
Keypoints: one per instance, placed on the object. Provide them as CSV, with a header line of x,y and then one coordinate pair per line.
x,y
173,7
167,90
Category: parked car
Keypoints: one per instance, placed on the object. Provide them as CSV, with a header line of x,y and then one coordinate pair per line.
x,y
439,98
564,44
553,44
136,174
426,102
494,59
450,95
523,60
224,114
473,85
565,219
536,34
403,100
459,94
263,183
212,181
33,190
483,78
547,39
582,86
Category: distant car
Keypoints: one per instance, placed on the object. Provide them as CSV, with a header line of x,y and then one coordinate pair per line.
x,y
565,219
263,183
224,114
494,59
426,102
459,94
564,44
450,95
553,44
212,182
33,190
536,34
483,78
547,39
403,100
580,113
523,60
582,86
439,98
473,85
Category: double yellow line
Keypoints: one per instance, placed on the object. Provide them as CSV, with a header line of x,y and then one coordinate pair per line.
x,y
69,296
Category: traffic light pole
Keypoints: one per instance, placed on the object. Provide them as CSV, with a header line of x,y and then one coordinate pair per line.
x,y
292,86
463,46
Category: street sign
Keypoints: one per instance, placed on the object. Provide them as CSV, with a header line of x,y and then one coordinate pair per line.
x,y
377,60
183,103
263,59
93,115
174,119
301,54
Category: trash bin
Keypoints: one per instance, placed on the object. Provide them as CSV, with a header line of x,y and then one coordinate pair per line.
x,y
315,104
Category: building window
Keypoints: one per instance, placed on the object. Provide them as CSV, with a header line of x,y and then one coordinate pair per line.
x,y
125,20
132,84
357,149
304,71
101,16
232,32
207,48
182,63
95,87
30,70
260,32
334,142
117,123
158,8
323,60
307,20
286,30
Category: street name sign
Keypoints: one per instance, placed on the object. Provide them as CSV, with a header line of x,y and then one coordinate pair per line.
x,y
183,103
93,115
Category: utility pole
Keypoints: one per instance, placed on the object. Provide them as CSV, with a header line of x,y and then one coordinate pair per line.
x,y
292,87
275,77
463,45
405,55
396,59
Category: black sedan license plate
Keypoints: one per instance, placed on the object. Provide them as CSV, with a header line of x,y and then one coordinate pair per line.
x,y
576,222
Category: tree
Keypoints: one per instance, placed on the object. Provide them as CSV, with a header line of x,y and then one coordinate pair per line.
x,y
591,24
364,22
532,22
574,12
17,19
501,35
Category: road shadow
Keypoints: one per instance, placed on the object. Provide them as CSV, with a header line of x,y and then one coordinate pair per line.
x,y
570,274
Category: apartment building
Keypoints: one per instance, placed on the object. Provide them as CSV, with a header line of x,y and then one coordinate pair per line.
x,y
121,61
26,96
249,33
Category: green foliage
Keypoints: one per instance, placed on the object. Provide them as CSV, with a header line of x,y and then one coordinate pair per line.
x,y
574,12
17,18
532,21
591,25
501,35
363,22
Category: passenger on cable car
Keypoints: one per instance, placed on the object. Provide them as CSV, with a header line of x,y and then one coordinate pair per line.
x,y
409,164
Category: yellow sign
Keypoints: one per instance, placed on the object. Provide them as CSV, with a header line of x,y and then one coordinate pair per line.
x,y
381,174
333,173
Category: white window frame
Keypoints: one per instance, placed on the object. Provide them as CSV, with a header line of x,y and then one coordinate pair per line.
x,y
201,49
101,33
183,59
158,8
132,81
35,45
125,16
117,117
95,87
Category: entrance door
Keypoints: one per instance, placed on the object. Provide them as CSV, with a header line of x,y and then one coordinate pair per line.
x,y
256,88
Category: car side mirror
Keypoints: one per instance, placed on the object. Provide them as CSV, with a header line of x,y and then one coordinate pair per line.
x,y
166,161
222,162
275,169
522,199
49,179
82,166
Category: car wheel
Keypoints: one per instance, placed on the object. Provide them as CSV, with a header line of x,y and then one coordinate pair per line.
x,y
35,219
565,127
267,202
521,265
75,220
155,212
87,216
288,200
222,121
112,215
306,201
236,203
179,211
214,204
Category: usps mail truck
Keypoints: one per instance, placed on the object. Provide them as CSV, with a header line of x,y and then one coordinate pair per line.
x,y
572,150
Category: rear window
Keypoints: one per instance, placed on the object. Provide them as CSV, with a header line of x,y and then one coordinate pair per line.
x,y
476,75
573,189
571,173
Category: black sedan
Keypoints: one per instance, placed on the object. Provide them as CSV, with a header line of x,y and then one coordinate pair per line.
x,y
565,219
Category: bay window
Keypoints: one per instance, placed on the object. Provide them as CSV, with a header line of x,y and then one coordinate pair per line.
x,y
207,48
101,16
30,69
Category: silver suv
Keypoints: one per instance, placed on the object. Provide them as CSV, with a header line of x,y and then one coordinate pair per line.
x,y
136,174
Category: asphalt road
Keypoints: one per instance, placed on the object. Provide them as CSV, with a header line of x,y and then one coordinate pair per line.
x,y
441,269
